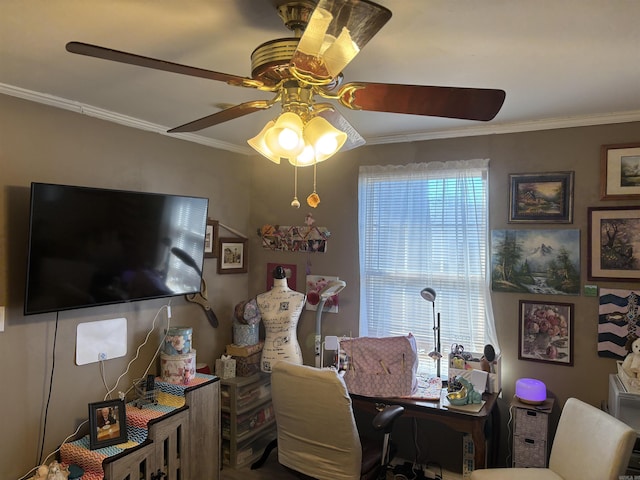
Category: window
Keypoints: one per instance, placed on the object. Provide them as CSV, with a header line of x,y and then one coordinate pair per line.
x,y
426,225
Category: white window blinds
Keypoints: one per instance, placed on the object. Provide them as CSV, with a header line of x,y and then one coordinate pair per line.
x,y
426,225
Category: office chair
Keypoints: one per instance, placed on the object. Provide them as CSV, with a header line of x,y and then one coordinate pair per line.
x,y
589,444
317,432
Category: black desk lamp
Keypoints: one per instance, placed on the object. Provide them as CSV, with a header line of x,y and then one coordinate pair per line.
x,y
429,294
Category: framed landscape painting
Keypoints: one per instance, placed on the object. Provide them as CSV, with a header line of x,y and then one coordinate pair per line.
x,y
545,262
541,198
620,172
614,243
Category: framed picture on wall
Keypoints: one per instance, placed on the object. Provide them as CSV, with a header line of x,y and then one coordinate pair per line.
x,y
620,172
232,255
541,197
614,235
211,239
108,423
546,332
290,271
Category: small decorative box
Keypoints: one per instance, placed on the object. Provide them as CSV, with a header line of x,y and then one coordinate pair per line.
x,y
226,367
247,366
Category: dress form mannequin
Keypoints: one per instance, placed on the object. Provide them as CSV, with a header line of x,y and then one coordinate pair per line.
x,y
280,309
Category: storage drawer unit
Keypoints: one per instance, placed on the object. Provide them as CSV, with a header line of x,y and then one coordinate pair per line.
x,y
530,434
248,421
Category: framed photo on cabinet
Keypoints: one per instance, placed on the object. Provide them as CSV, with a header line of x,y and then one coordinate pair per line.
x,y
108,423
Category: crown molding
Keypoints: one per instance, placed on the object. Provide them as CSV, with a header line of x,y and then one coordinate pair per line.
x,y
476,130
114,117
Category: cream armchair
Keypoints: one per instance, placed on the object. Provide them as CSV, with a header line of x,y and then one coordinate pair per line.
x,y
589,445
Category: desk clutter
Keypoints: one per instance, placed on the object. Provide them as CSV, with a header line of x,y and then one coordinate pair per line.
x,y
472,365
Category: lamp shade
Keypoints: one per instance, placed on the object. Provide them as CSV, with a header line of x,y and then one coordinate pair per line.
x,y
284,138
429,294
305,158
324,137
259,145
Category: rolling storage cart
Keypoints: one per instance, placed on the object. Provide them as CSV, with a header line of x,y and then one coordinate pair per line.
x,y
248,422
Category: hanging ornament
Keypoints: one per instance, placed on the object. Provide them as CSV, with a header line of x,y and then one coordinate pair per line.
x,y
313,200
295,202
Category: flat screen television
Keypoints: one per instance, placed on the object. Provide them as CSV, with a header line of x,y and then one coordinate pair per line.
x,y
95,246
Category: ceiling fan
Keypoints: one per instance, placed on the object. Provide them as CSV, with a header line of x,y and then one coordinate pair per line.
x,y
328,34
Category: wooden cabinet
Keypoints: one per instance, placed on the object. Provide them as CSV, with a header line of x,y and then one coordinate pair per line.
x,y
182,439
248,422
204,430
530,433
164,456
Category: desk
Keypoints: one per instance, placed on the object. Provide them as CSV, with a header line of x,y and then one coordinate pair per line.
x,y
472,423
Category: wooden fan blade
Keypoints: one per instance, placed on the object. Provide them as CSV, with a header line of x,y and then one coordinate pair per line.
x,y
336,32
354,139
452,102
133,59
222,116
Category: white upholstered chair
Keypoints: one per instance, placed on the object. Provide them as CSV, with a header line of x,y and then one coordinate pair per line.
x,y
317,432
589,444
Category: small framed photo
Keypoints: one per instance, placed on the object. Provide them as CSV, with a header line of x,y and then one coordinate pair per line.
x,y
108,423
211,239
233,255
614,236
541,197
546,332
620,172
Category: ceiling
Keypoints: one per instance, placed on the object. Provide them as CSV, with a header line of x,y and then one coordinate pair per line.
x,y
562,63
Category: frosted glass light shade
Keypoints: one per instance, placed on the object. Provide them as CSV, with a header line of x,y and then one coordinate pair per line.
x,y
285,137
325,138
305,158
259,145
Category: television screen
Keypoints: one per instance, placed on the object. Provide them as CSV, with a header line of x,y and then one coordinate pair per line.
x,y
93,246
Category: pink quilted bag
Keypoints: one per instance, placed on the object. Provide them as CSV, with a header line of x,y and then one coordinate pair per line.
x,y
381,367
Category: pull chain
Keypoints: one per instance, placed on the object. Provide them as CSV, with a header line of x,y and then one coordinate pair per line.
x,y
313,200
295,203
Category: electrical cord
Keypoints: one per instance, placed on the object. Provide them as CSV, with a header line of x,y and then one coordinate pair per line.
x,y
153,327
102,372
46,411
509,442
55,451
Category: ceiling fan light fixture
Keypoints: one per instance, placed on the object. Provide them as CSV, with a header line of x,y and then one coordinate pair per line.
x,y
259,144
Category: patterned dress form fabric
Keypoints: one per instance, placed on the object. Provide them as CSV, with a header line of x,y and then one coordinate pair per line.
x,y
280,309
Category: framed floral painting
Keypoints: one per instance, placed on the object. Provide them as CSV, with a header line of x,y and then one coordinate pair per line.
x,y
546,332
